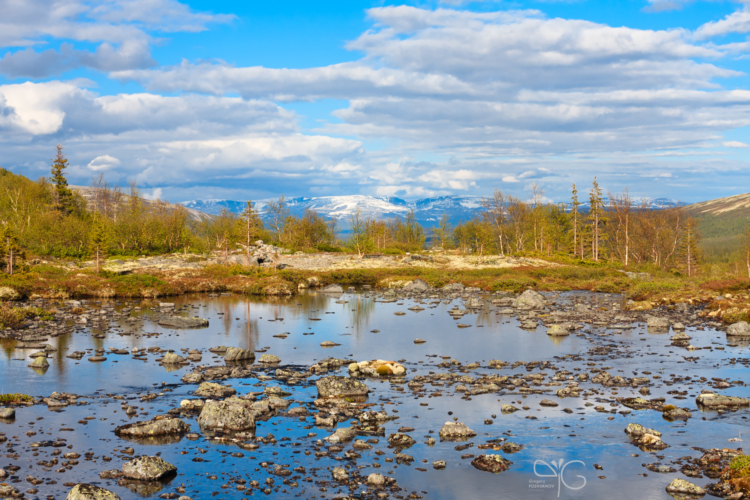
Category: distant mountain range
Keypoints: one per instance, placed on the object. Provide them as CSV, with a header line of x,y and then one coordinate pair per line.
x,y
428,211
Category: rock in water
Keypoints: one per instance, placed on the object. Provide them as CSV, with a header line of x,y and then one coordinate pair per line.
x,y
740,329
84,491
237,354
155,427
183,322
529,300
342,435
147,469
332,289
558,331
418,285
39,363
377,368
456,430
717,400
269,359
172,358
659,324
212,390
7,413
491,463
335,386
685,487
226,416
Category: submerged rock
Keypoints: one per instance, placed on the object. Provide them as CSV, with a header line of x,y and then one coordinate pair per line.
x,y
183,322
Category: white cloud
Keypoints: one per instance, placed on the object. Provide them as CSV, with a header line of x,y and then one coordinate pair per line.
x,y
735,144
104,162
736,22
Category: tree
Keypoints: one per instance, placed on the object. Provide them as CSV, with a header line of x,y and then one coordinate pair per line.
x,y
595,210
443,231
537,198
745,242
358,231
574,204
279,212
621,205
12,251
63,194
251,225
98,241
494,214
689,248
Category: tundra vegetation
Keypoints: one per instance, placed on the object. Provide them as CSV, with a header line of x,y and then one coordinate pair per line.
x,y
45,222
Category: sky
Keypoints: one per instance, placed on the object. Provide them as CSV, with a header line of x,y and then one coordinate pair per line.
x,y
250,100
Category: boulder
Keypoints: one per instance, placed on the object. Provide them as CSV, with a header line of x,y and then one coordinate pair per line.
x,y
7,293
418,285
558,331
456,430
491,463
342,435
340,474
172,358
453,288
212,390
529,300
739,329
84,491
39,362
183,322
400,440
192,378
157,427
685,487
336,386
655,323
7,413
377,368
332,289
237,354
226,416
713,400
376,479
147,469
269,359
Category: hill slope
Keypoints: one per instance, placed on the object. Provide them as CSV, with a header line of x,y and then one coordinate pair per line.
x,y
721,221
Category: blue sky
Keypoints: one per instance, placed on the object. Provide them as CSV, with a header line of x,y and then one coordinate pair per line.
x,y
412,99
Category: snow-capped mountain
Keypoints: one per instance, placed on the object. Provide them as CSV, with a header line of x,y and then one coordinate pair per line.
x,y
428,211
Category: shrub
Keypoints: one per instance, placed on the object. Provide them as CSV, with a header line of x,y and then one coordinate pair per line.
x,y
515,285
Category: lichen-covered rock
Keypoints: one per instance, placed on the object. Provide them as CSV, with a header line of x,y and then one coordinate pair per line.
x,y
226,416
377,368
713,400
739,329
418,285
84,491
160,426
455,430
7,293
491,463
7,413
269,359
342,435
340,474
39,362
183,322
685,487
147,469
508,409
192,404
645,439
335,386
529,300
212,390
400,440
655,323
192,378
237,354
172,358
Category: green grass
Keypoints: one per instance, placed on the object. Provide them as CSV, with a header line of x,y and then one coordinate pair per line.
x,y
14,398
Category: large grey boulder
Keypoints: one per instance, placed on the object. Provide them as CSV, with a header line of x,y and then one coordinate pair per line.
x,y
529,300
342,435
558,331
183,322
226,416
147,469
84,491
172,358
237,354
7,413
212,390
655,323
335,386
740,329
156,427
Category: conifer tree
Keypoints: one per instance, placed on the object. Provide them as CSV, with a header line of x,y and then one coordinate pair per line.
x,y
575,204
595,211
63,194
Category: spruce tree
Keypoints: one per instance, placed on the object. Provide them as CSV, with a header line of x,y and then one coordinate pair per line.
x,y
63,194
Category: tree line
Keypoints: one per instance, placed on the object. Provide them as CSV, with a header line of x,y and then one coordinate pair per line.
x,y
47,217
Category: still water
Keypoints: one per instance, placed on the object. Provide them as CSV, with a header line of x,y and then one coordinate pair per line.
x,y
368,329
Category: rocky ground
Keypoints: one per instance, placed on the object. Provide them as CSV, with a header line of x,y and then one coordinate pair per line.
x,y
341,413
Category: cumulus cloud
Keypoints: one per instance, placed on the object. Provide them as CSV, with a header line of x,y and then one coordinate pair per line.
x,y
735,144
736,22
104,162
122,31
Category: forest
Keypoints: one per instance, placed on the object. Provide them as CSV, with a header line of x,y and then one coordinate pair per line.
x,y
47,218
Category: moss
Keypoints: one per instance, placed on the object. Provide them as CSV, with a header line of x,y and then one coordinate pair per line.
x,y
383,370
516,285
15,398
667,408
